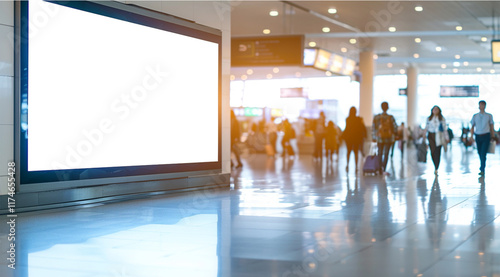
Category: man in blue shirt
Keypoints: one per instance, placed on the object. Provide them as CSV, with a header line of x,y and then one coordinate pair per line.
x,y
482,127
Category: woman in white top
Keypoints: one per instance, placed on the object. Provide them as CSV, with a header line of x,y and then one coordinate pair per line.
x,y
435,129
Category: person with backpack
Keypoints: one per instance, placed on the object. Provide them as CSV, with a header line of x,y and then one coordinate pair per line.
x,y
384,130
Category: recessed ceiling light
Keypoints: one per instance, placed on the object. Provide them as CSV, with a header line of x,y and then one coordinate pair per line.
x,y
389,65
484,39
328,73
419,8
375,56
394,49
276,70
343,49
244,77
312,44
232,77
459,28
492,71
298,74
325,29
457,57
269,76
250,71
402,71
266,31
466,63
439,49
274,13
479,69
418,40
416,55
456,64
352,41
332,10
443,66
392,29
455,70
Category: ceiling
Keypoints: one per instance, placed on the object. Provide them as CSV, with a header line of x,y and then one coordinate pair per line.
x,y
462,51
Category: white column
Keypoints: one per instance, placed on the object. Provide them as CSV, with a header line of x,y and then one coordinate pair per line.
x,y
367,69
412,97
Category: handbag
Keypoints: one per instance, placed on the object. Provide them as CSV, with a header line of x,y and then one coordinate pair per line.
x,y
493,146
439,138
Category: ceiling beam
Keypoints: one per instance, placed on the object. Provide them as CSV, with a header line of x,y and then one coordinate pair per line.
x,y
403,34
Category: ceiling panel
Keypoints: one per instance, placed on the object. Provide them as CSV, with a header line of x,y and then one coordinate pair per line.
x,y
368,22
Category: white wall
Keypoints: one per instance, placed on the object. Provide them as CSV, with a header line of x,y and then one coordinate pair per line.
x,y
213,14
6,90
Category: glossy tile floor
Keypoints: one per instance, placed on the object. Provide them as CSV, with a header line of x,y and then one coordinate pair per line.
x,y
283,218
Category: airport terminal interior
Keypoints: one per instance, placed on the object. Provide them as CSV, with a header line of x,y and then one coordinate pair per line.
x,y
141,180
285,217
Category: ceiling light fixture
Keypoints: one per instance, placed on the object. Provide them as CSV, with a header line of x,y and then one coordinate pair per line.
x,y
456,64
492,71
419,8
269,76
273,13
479,69
466,63
394,49
439,49
455,70
389,65
276,70
484,39
392,29
326,29
402,71
443,66
312,44
459,28
332,10
416,55
418,40
375,56
266,31
352,41
457,57
250,71
343,50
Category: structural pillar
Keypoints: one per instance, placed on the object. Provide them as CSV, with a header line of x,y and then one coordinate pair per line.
x,y
412,97
367,69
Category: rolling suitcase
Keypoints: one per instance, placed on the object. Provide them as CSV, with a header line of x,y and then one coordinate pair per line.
x,y
372,163
422,152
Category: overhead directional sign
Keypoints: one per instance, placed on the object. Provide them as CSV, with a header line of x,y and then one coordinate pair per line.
x,y
267,51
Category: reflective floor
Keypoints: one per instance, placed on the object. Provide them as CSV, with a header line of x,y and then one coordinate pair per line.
x,y
282,217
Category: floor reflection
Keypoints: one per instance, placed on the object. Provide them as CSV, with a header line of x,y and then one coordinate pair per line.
x,y
283,217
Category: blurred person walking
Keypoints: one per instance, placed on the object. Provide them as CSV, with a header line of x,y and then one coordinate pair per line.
x,y
437,134
235,139
289,134
353,135
403,134
319,136
384,133
331,140
483,129
272,134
